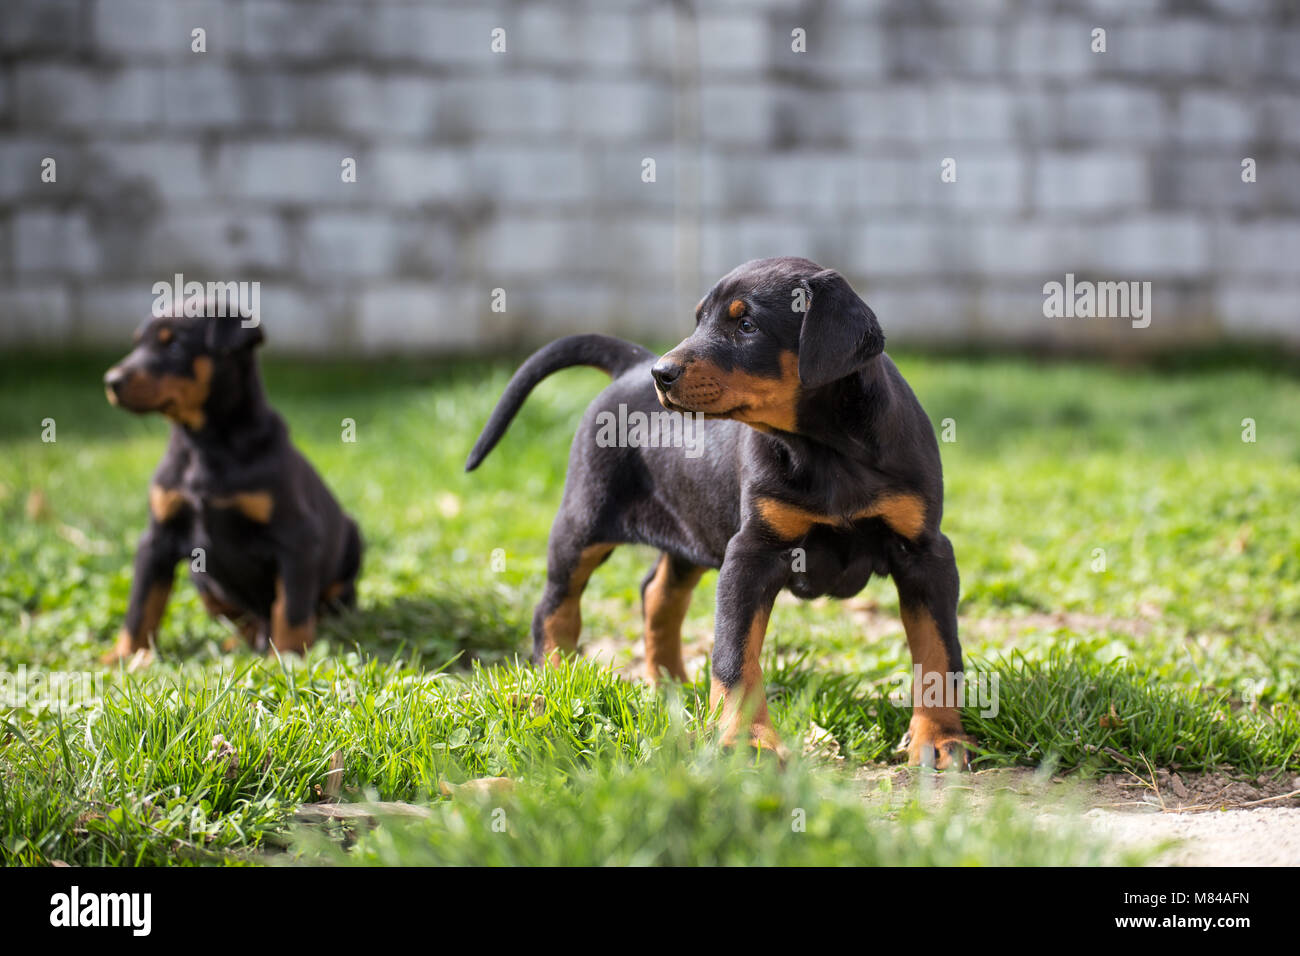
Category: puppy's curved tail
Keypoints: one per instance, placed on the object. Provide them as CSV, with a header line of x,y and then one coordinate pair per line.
x,y
610,355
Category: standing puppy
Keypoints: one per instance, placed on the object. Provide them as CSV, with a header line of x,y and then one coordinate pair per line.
x,y
275,546
819,468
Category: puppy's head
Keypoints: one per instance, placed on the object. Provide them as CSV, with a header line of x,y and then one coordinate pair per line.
x,y
178,365
766,333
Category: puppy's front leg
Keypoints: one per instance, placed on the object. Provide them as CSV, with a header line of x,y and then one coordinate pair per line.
x,y
151,587
926,577
293,613
752,574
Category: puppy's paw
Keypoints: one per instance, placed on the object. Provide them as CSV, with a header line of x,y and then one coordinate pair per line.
x,y
135,656
761,737
936,746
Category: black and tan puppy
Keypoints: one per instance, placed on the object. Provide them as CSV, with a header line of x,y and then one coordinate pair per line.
x,y
818,468
267,543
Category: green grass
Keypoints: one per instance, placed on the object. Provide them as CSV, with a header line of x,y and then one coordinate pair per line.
x,y
1182,652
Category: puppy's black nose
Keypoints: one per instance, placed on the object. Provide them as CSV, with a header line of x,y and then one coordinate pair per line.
x,y
666,372
114,379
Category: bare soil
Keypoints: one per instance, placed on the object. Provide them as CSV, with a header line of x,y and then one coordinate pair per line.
x,y
1188,819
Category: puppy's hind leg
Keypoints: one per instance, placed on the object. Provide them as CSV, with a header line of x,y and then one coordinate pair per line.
x,y
666,596
558,618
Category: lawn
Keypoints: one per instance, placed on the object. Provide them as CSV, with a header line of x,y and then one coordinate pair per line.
x,y
1130,574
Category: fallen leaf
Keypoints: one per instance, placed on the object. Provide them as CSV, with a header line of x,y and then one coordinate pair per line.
x,y
38,506
222,750
821,742
358,812
535,703
329,791
482,785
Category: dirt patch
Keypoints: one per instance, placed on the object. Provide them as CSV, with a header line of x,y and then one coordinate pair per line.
x,y
1258,837
1190,819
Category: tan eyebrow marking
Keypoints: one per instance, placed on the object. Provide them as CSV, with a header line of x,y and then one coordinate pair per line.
x,y
165,335
737,308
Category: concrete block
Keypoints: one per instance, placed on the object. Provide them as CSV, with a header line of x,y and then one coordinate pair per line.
x,y
409,175
202,95
1112,113
1215,118
65,96
287,171
1249,309
1090,182
317,32
347,245
1265,247
395,317
51,243
441,36
737,43
737,113
1056,47
163,28
43,26
35,311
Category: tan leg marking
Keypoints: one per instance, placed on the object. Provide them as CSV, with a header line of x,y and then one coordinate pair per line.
x,y
244,623
936,727
286,637
788,521
745,713
560,630
904,513
666,604
165,503
146,634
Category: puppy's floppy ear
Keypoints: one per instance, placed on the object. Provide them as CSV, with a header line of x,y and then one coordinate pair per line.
x,y
840,333
226,335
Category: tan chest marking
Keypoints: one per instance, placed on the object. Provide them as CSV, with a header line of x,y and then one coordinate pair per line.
x,y
165,503
903,513
256,506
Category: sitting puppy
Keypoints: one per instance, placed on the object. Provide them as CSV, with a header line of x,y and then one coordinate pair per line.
x,y
275,546
818,468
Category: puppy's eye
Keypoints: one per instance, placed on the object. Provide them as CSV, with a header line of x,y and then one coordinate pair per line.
x,y
748,327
